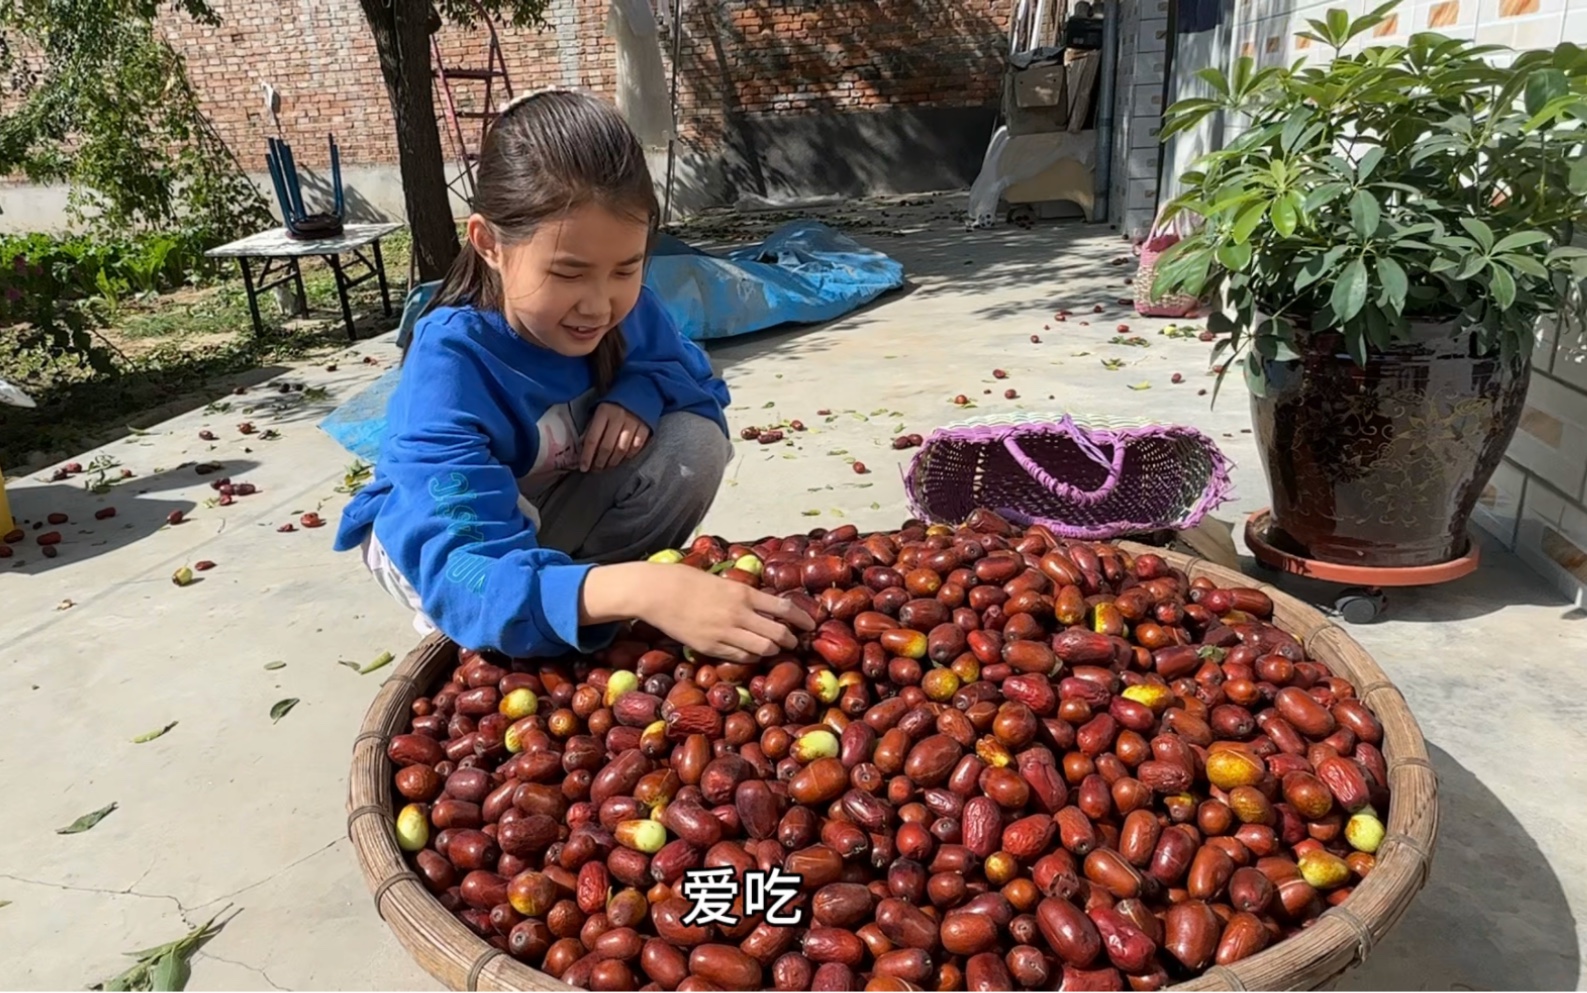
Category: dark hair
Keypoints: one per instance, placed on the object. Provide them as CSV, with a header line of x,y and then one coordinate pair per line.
x,y
549,153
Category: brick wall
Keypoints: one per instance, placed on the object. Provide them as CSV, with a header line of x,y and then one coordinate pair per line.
x,y
753,57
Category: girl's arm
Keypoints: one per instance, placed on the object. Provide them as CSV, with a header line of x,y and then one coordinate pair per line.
x,y
663,371
452,525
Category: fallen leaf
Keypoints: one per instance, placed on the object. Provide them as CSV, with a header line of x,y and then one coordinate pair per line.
x,y
769,404
810,513
151,735
86,821
4,903
380,662
275,665
170,972
838,451
282,708
875,505
65,605
1140,386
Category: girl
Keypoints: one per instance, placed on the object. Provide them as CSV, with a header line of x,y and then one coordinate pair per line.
x,y
551,425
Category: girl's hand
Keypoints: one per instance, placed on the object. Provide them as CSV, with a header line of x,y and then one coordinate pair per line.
x,y
723,619
613,437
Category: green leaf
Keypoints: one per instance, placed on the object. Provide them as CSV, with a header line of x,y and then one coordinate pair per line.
x,y
1377,328
1318,266
282,708
1365,214
381,661
1369,162
170,973
1544,87
1471,267
4,904
1503,287
1520,239
1479,230
151,735
1391,276
1283,217
1577,183
1248,219
1524,263
1356,344
1215,79
1234,257
1350,292
810,513
1337,26
1140,386
87,821
275,665
1323,194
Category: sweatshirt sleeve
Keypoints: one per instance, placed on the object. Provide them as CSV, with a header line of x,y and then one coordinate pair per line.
x,y
663,371
452,524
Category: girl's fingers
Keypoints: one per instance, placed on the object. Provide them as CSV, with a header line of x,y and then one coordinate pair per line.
x,y
732,654
783,610
603,454
761,643
592,439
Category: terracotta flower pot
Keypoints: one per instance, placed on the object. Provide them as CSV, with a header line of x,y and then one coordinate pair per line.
x,y
1382,466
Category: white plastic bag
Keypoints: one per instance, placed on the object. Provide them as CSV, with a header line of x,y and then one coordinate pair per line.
x,y
644,95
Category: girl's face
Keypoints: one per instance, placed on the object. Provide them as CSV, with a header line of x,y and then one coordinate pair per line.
x,y
573,281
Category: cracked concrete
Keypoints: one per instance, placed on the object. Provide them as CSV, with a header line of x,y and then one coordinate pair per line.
x,y
229,807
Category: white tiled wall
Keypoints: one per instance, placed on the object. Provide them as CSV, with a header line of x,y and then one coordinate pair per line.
x,y
1138,112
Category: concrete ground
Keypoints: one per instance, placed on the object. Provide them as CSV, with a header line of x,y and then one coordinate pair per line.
x,y
230,808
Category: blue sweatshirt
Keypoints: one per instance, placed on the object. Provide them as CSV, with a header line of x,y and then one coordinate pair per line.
x,y
481,418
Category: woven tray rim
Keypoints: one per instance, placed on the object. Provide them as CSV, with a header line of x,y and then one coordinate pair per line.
x,y
1338,941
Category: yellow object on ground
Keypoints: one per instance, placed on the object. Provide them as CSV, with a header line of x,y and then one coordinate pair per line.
x,y
6,523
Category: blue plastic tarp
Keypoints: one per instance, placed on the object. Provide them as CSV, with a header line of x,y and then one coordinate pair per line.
x,y
804,273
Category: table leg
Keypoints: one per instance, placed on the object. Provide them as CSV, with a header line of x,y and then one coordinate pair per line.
x,y
380,275
253,299
303,295
335,262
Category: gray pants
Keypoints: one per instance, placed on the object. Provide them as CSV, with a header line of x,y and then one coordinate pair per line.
x,y
647,504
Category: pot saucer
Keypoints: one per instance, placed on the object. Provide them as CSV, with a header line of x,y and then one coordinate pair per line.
x,y
1276,550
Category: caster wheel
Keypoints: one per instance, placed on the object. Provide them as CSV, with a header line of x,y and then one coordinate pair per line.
x,y
1360,606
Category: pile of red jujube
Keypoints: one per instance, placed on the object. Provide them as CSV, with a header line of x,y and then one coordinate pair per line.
x,y
1001,761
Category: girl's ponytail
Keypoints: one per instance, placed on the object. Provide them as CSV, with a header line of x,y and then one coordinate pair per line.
x,y
607,359
469,282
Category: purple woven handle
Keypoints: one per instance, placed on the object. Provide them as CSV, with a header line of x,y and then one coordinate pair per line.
x,y
1062,490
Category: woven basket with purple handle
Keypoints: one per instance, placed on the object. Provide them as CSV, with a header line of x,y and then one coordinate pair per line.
x,y
1084,478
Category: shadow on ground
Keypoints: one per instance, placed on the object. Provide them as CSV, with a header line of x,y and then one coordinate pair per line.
x,y
1493,915
140,512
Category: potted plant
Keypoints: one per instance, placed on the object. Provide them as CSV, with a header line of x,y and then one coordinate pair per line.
x,y
1379,243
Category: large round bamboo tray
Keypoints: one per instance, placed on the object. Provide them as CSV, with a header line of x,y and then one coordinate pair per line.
x,y
1314,959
